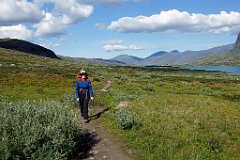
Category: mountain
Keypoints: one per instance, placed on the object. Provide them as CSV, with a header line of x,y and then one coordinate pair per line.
x,y
231,57
174,57
128,59
26,47
180,58
160,53
93,60
237,43
154,59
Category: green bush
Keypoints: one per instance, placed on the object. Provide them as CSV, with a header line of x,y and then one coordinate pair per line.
x,y
121,76
69,101
96,79
31,130
149,87
231,96
127,119
144,76
121,96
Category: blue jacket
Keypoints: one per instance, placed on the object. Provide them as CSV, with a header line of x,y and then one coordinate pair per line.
x,y
83,86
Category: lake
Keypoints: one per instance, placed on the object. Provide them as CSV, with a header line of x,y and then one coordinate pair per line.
x,y
227,69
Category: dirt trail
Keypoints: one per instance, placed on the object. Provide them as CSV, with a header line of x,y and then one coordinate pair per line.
x,y
101,144
104,89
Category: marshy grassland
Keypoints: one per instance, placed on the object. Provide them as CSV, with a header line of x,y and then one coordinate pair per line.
x,y
181,114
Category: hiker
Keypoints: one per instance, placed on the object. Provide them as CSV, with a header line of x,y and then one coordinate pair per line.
x,y
84,93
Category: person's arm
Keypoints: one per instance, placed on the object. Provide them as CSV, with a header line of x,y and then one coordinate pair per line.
x,y
90,89
77,89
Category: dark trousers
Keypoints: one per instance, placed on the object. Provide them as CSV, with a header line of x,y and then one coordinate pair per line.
x,y
84,101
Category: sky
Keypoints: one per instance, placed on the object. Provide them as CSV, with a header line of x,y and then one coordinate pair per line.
x,y
108,28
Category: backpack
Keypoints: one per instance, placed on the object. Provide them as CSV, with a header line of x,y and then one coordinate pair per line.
x,y
79,77
87,81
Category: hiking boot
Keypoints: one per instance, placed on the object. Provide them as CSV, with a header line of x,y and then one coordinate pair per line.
x,y
86,120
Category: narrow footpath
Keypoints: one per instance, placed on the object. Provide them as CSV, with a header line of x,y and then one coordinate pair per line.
x,y
99,144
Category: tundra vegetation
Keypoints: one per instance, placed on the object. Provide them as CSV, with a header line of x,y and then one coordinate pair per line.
x,y
172,113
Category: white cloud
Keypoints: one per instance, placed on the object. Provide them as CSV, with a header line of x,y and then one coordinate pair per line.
x,y
118,47
104,1
73,10
174,20
114,41
100,26
135,47
13,12
50,26
51,44
16,31
63,15
44,23
111,2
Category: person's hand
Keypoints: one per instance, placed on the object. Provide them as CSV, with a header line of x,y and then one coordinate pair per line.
x,y
77,99
92,98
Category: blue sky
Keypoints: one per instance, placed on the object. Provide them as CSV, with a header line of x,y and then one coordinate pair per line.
x,y
88,29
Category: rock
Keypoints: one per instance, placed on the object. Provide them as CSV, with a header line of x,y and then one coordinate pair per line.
x,y
129,151
121,105
95,152
237,43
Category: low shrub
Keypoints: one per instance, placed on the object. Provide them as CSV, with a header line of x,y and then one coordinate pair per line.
x,y
127,119
145,76
96,79
37,130
69,101
149,87
121,77
122,96
231,96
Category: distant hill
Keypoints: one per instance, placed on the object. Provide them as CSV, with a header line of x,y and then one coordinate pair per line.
x,y
174,57
128,59
160,53
180,58
231,57
26,47
93,60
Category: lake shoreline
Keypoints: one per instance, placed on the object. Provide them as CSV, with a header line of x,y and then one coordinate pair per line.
x,y
235,70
